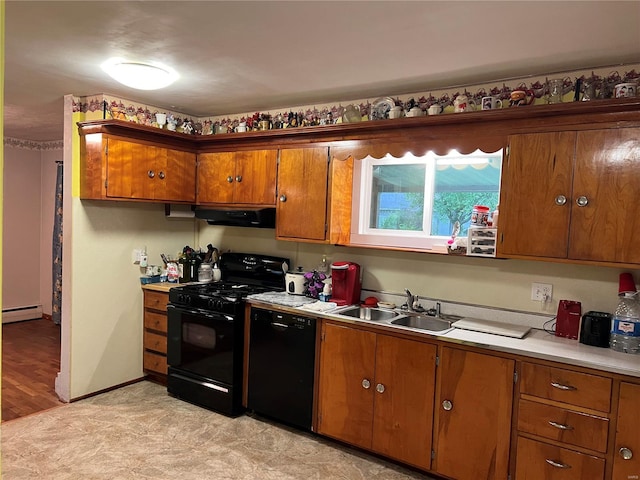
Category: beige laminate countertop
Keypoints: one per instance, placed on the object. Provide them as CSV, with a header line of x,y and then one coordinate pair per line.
x,y
161,287
536,344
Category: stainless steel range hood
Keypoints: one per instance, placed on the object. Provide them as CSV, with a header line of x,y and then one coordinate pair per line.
x,y
238,217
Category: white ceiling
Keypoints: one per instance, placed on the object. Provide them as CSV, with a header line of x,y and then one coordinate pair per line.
x,y
241,56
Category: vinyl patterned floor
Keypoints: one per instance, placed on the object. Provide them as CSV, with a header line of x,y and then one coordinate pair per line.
x,y
139,432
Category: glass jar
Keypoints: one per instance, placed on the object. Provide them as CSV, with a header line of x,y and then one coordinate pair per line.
x,y
205,272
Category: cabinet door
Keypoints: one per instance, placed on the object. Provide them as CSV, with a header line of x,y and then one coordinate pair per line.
x,y
536,175
473,415
148,172
607,176
245,177
216,177
403,402
130,169
175,176
627,436
255,178
302,194
346,384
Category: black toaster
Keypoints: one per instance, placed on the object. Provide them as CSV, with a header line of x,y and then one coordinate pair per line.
x,y
595,329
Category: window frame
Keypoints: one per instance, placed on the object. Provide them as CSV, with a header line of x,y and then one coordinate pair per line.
x,y
363,234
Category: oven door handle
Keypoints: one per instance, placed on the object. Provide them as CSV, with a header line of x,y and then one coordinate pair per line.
x,y
213,315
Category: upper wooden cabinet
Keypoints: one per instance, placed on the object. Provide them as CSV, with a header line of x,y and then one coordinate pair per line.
x,y
302,194
314,196
568,195
241,178
118,168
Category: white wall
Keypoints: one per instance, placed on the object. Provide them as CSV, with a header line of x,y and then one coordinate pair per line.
x,y
22,227
106,313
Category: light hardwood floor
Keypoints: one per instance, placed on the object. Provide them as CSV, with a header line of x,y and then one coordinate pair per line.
x,y
30,363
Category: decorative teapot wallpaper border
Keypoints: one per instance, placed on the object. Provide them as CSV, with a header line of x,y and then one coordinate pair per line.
x,y
591,84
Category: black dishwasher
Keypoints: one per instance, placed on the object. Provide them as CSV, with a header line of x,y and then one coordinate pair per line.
x,y
281,366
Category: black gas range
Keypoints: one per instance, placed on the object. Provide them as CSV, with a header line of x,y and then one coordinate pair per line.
x,y
205,335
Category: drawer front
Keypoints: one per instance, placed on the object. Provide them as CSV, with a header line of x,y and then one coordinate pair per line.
x,y
155,321
155,362
156,300
562,425
155,342
537,460
581,389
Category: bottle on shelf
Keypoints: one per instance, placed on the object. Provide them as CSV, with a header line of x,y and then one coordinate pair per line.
x,y
494,218
625,326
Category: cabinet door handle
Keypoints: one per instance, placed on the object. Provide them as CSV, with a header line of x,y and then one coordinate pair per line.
x,y
161,175
447,405
561,200
151,174
557,464
239,178
366,383
380,388
625,453
230,179
560,386
283,198
561,426
582,201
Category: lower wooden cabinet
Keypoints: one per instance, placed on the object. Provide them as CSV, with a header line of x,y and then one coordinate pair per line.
x,y
155,334
626,460
472,434
537,460
376,392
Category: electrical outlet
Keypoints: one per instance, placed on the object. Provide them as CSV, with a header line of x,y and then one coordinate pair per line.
x,y
541,292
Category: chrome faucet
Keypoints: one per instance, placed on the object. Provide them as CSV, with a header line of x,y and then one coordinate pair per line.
x,y
413,304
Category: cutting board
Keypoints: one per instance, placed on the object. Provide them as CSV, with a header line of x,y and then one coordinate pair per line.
x,y
490,326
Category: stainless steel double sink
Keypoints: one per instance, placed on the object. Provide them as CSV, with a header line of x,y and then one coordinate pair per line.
x,y
421,321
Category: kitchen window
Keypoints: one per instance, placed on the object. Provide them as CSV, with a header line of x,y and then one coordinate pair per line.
x,y
414,202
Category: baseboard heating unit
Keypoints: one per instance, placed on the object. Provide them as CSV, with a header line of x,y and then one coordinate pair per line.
x,y
18,314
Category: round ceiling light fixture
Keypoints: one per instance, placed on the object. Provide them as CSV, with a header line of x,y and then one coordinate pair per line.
x,y
140,75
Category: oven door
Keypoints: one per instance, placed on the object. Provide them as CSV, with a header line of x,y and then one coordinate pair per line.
x,y
204,353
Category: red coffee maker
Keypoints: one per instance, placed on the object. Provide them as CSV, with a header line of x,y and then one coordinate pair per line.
x,y
345,283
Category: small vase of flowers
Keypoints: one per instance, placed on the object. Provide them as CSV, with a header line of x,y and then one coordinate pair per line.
x,y
313,284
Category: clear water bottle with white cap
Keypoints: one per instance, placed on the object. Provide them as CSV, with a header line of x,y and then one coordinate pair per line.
x,y
625,326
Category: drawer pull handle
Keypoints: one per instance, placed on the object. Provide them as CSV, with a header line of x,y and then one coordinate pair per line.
x,y
561,426
560,386
380,388
447,405
366,384
625,453
553,463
